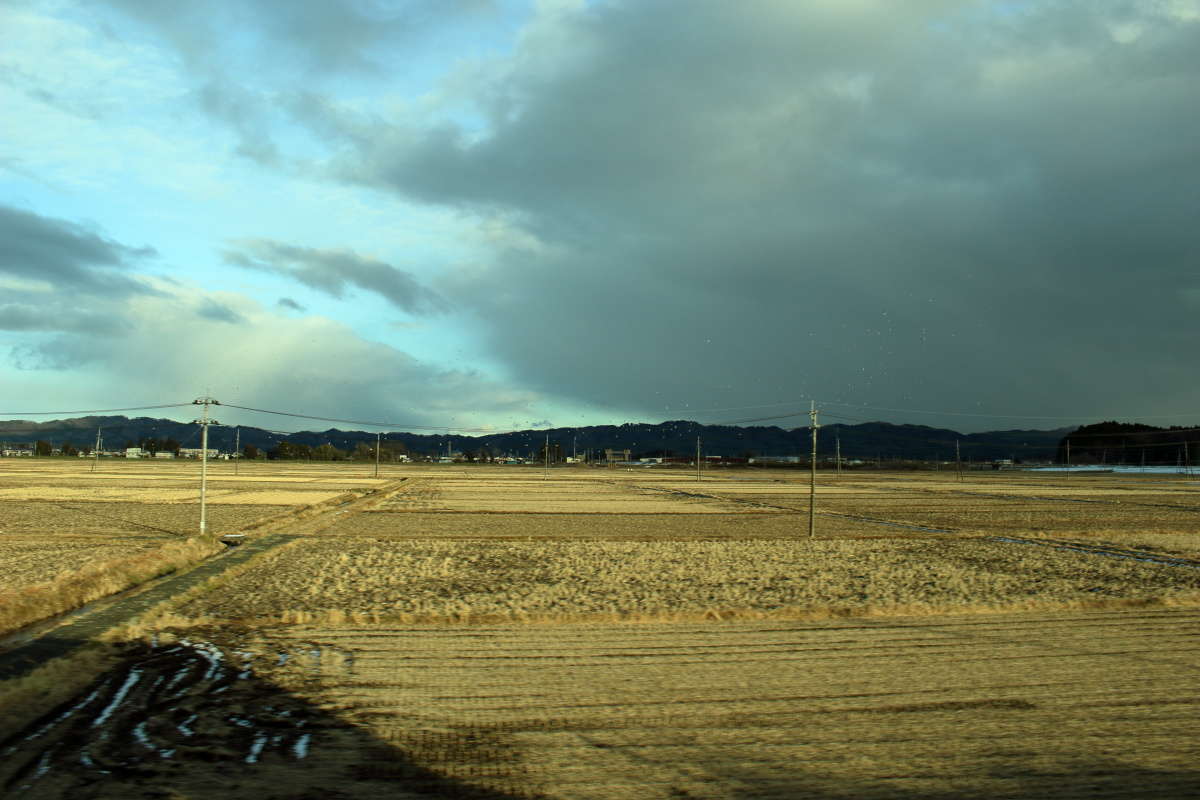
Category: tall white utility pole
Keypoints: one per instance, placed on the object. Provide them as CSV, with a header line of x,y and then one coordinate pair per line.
x,y
204,422
698,458
96,451
377,438
812,474
237,448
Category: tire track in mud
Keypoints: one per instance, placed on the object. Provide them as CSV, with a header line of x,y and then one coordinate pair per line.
x,y
105,615
165,706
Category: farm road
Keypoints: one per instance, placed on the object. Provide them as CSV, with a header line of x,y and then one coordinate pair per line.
x,y
89,625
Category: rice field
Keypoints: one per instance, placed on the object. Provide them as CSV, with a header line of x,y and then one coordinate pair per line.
x,y
432,580
511,632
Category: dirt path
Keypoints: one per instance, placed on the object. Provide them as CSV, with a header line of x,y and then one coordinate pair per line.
x,y
104,616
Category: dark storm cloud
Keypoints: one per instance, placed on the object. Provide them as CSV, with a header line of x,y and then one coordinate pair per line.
x,y
69,257
211,309
290,304
972,206
332,271
54,317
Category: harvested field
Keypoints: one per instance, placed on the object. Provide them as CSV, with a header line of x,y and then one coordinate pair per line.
x,y
503,632
1071,705
216,496
49,520
563,495
437,580
43,541
640,527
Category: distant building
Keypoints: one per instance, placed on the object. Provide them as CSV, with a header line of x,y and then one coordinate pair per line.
x,y
133,452
164,454
194,452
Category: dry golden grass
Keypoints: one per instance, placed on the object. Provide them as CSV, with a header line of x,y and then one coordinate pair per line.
x,y
21,607
560,527
1034,705
434,580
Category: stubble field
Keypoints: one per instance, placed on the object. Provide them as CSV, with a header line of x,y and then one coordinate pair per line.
x,y
504,632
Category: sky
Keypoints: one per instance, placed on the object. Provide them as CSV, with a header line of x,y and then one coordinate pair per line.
x,y
495,214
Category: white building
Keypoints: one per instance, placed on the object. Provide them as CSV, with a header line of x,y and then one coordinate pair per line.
x,y
133,452
194,452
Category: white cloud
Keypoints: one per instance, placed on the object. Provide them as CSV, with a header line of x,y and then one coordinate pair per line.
x,y
252,356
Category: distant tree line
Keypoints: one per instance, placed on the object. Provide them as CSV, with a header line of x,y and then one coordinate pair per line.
x,y
295,451
1131,443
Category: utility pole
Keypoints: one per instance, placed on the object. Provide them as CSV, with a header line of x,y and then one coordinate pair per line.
x,y
546,474
698,478
812,474
237,448
204,422
377,438
838,441
574,455
96,451
958,460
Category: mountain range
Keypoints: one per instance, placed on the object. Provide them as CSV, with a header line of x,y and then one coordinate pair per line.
x,y
864,441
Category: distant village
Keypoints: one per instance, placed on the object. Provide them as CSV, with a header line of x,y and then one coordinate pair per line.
x,y
366,453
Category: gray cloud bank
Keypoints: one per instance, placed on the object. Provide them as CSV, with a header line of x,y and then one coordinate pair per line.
x,y
332,271
935,205
65,255
971,206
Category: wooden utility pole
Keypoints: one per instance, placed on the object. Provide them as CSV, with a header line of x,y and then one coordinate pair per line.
x,y
377,438
812,474
1068,459
698,478
96,450
237,448
838,440
204,422
546,474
